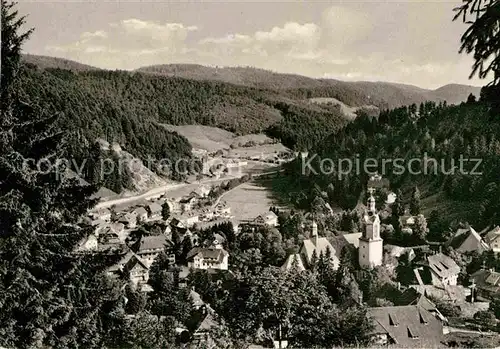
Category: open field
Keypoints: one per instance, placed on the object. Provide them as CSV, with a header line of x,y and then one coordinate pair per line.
x,y
248,200
213,139
265,151
348,111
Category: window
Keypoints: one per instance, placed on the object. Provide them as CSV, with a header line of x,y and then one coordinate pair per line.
x,y
411,333
423,320
393,320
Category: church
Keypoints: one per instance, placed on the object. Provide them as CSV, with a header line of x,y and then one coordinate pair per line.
x,y
371,250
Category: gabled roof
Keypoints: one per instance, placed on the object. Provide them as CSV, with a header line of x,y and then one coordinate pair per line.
x,y
148,243
493,234
291,260
412,297
154,208
442,265
488,280
140,211
409,326
133,261
216,254
196,298
320,245
468,240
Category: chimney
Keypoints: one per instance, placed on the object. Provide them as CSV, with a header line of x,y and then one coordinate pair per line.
x,y
440,248
399,286
361,298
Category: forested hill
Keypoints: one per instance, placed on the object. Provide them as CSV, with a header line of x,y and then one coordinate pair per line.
x,y
446,133
54,62
381,94
128,108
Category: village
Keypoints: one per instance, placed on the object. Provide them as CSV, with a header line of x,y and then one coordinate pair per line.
x,y
432,294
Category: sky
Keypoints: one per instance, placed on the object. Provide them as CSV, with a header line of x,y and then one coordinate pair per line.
x,y
413,42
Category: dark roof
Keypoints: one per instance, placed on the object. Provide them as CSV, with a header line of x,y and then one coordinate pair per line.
x,y
409,326
146,243
412,297
134,260
488,280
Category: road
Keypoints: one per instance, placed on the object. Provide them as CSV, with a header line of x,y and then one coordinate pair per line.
x,y
159,191
153,193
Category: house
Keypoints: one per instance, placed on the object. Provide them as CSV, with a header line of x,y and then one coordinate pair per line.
x,y
113,231
207,215
208,258
222,209
201,192
87,244
406,220
318,245
218,240
102,214
97,224
411,296
141,213
467,240
188,203
177,225
202,333
195,238
391,198
408,326
189,220
269,218
487,282
493,239
129,219
137,270
293,260
148,247
196,299
117,268
154,211
376,182
444,270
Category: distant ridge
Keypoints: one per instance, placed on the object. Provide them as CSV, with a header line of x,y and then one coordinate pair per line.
x,y
353,94
45,62
393,94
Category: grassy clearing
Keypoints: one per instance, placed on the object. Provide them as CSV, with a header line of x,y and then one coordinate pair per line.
x,y
249,200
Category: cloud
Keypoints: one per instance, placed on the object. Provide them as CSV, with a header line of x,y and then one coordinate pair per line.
x,y
399,42
125,44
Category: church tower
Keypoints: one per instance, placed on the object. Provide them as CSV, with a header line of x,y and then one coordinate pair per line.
x,y
371,244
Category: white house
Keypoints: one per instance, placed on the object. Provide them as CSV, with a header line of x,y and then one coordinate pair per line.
x,y
444,271
208,258
493,239
391,198
154,210
148,248
141,213
87,244
269,218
